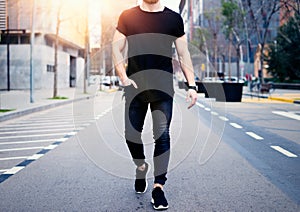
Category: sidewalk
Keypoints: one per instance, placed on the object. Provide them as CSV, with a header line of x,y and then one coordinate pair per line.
x,y
18,101
282,95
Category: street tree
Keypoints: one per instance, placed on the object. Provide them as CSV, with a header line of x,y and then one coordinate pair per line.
x,y
234,29
260,15
213,18
284,54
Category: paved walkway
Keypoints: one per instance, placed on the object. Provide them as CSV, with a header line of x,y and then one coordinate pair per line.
x,y
280,95
18,101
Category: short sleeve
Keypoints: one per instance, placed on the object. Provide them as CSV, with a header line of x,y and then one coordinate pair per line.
x,y
179,27
122,24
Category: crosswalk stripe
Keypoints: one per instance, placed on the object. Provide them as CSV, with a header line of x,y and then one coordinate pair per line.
x,y
14,158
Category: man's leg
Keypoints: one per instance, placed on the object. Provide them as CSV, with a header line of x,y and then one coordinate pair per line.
x,y
161,115
135,112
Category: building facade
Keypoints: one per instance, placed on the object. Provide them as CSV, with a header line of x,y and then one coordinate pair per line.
x,y
17,19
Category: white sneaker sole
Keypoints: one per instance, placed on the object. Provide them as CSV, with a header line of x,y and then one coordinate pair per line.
x,y
142,192
160,207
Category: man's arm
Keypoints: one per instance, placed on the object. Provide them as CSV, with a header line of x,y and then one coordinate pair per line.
x,y
118,46
187,67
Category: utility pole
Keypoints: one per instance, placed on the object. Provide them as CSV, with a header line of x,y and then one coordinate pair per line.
x,y
8,55
87,49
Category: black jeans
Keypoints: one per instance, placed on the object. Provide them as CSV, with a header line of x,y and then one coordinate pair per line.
x,y
135,113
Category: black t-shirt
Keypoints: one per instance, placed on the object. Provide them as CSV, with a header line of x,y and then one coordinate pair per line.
x,y
150,36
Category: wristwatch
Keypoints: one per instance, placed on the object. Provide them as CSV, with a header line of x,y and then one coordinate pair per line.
x,y
192,87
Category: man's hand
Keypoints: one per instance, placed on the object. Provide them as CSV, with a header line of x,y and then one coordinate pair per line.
x,y
192,97
128,82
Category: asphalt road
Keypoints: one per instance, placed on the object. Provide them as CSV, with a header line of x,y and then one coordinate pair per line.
x,y
225,157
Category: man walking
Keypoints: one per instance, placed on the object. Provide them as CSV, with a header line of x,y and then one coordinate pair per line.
x,y
150,31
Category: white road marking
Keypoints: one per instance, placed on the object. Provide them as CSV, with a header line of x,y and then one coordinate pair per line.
x,y
14,158
200,105
22,127
3,170
253,135
223,118
72,133
14,170
235,125
44,125
21,149
214,113
207,109
285,152
40,124
52,146
287,114
39,131
34,141
35,156
30,136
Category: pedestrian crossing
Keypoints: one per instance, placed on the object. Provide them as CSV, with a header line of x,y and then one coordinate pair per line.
x,y
29,138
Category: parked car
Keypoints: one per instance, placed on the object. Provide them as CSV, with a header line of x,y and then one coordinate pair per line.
x,y
105,80
233,79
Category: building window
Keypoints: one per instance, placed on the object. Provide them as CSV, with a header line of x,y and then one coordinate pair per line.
x,y
15,39
50,68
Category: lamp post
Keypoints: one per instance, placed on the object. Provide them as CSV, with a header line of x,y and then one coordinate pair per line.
x,y
31,52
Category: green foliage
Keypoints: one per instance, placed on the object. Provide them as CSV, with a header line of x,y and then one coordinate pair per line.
x,y
6,110
233,17
59,98
284,55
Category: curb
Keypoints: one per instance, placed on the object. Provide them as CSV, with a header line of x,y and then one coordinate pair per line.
x,y
274,98
16,114
281,99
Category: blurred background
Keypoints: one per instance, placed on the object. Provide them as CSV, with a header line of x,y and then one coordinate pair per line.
x,y
46,44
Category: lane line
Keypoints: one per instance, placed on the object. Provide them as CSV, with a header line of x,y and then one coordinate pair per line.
x,y
284,151
33,141
255,136
14,158
287,114
207,109
235,125
223,118
21,149
200,105
214,113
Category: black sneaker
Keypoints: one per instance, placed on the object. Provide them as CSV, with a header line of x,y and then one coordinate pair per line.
x,y
141,183
159,200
